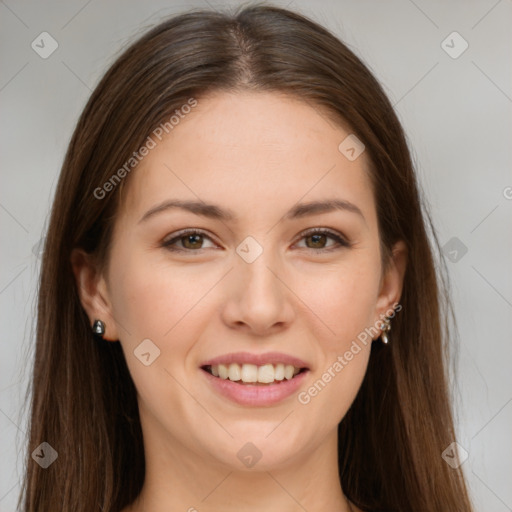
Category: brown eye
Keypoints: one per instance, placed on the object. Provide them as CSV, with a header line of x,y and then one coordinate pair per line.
x,y
317,240
191,240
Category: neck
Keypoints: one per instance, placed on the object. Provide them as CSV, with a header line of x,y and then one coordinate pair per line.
x,y
180,479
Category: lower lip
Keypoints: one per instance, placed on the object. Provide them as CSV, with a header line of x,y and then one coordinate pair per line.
x,y
256,395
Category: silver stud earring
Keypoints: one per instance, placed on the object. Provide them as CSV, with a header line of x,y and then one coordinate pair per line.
x,y
98,328
385,327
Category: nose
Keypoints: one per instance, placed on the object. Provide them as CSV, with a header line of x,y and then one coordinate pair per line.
x,y
259,302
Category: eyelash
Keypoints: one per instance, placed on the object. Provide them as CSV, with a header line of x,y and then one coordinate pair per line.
x,y
342,242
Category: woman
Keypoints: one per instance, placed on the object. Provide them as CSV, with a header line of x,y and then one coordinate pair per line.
x,y
238,305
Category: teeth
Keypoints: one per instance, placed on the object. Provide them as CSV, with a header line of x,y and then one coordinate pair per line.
x,y
249,372
288,372
279,372
234,371
265,374
223,371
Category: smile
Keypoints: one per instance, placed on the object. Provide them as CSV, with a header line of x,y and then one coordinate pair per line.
x,y
251,373
256,380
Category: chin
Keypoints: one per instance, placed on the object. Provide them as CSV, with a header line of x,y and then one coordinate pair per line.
x,y
259,449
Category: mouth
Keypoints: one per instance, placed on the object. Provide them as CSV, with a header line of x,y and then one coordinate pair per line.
x,y
251,374
255,380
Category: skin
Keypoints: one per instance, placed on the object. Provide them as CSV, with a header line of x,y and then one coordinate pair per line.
x,y
257,154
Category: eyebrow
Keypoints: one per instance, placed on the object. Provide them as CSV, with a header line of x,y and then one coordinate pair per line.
x,y
215,212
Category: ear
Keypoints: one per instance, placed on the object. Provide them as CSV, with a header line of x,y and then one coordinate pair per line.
x,y
93,293
392,280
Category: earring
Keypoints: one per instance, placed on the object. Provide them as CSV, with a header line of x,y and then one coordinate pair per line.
x,y
98,328
385,327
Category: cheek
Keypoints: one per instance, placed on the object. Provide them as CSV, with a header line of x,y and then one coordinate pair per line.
x,y
345,303
151,298
164,305
342,297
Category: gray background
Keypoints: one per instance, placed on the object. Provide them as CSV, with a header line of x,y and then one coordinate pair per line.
x,y
456,112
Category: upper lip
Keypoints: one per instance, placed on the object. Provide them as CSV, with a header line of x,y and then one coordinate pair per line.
x,y
257,359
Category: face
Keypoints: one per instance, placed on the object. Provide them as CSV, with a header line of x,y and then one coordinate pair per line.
x,y
259,281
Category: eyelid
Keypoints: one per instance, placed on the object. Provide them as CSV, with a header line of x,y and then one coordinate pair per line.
x,y
183,232
338,237
341,240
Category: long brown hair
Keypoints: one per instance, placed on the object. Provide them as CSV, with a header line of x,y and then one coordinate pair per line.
x,y
83,399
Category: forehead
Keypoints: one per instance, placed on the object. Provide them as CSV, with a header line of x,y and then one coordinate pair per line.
x,y
253,151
